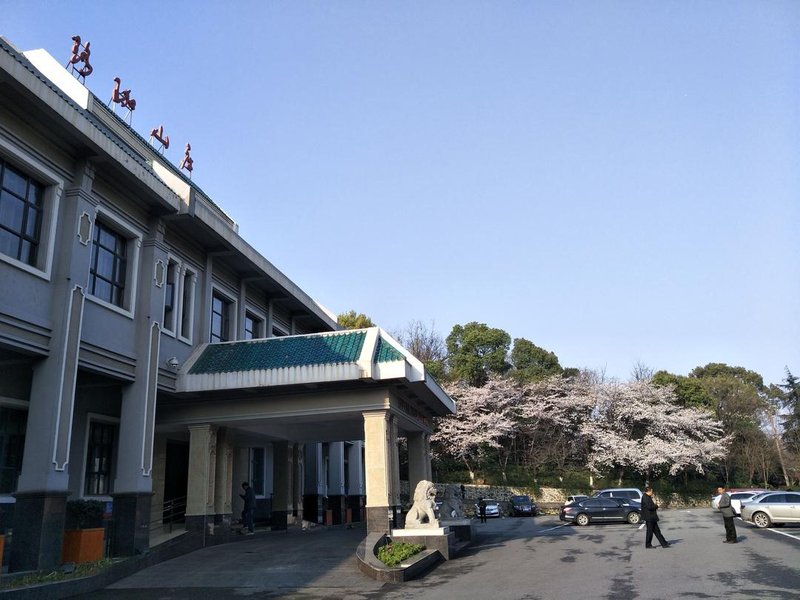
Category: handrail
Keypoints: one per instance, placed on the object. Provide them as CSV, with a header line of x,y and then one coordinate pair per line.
x,y
173,511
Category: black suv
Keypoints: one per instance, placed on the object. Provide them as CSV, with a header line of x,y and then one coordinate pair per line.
x,y
522,506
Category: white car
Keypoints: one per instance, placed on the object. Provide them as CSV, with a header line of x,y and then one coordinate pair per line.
x,y
775,507
738,498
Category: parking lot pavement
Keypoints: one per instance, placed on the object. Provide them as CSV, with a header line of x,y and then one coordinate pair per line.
x,y
513,558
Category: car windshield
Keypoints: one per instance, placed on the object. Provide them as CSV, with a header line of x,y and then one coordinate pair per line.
x,y
520,499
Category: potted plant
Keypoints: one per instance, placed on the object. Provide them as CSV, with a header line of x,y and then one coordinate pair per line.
x,y
83,531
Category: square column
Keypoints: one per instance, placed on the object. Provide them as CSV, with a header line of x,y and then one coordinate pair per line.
x,y
223,506
419,458
382,476
202,474
336,491
282,465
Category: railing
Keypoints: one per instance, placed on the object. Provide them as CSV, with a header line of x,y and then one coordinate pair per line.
x,y
173,511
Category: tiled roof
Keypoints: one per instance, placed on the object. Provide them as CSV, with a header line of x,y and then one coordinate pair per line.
x,y
280,352
385,352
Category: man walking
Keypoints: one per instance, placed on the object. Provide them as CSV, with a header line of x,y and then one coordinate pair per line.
x,y
650,516
249,498
727,515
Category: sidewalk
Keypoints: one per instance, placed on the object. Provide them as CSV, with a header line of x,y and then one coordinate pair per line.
x,y
319,561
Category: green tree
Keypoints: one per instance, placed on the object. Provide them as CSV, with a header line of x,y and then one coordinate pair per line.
x,y
532,363
353,320
791,402
689,391
475,351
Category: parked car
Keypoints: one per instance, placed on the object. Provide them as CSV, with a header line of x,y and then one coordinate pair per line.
x,y
773,508
597,509
492,508
575,498
629,493
522,506
738,499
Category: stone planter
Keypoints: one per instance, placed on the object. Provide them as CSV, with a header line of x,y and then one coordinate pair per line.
x,y
83,545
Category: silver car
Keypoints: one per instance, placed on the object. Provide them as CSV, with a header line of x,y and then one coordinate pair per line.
x,y
775,507
738,499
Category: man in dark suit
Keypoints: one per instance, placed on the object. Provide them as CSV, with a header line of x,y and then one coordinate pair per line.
x,y
650,516
727,515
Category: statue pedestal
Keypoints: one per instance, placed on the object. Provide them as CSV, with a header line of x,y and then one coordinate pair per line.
x,y
433,538
463,528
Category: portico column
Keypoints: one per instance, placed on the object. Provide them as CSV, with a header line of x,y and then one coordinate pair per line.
x,y
382,482
202,467
419,459
223,506
282,463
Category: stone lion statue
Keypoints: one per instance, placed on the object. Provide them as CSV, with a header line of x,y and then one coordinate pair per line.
x,y
423,511
453,506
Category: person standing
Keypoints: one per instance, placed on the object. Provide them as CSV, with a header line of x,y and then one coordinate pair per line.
x,y
650,516
482,510
727,515
249,498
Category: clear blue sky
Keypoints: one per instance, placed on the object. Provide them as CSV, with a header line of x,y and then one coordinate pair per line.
x,y
614,181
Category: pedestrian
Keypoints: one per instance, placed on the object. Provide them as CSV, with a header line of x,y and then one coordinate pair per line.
x,y
650,516
463,492
482,510
727,515
249,498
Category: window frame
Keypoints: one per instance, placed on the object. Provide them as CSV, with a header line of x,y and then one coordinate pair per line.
x,y
106,420
229,314
259,319
134,244
24,406
51,200
174,270
188,274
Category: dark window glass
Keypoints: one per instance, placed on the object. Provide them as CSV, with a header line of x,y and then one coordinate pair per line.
x,y
220,325
252,327
186,304
109,264
12,442
99,459
20,214
258,471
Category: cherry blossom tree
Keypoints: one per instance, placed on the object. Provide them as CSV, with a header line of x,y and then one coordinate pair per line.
x,y
482,420
637,425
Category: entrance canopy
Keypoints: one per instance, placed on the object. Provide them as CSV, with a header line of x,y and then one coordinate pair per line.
x,y
306,387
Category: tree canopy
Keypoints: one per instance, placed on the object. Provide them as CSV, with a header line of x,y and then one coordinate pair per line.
x,y
476,351
353,320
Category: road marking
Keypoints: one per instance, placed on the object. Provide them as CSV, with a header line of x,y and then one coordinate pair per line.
x,y
641,526
794,537
552,528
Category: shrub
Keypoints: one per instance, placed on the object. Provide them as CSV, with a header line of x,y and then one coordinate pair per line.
x,y
84,514
393,554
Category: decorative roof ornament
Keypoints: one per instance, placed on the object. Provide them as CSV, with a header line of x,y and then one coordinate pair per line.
x,y
80,54
123,98
187,161
158,134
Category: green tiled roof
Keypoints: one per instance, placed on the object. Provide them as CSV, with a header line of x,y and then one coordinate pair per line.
x,y
277,353
385,352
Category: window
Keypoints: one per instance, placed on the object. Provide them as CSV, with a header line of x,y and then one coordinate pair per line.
x,y
220,319
257,462
20,214
12,442
170,297
99,458
108,266
252,326
187,305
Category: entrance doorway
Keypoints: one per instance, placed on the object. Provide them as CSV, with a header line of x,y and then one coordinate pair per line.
x,y
176,481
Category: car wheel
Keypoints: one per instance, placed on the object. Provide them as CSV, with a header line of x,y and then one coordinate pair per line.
x,y
634,518
761,519
582,519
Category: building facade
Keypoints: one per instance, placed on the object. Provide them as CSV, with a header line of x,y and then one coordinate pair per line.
x,y
150,357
